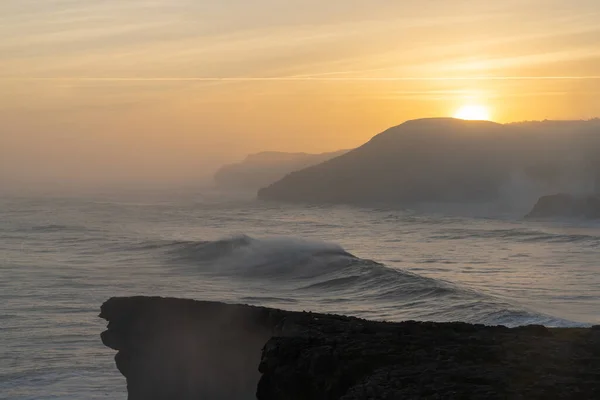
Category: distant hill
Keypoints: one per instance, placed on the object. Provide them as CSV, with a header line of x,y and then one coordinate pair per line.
x,y
450,160
262,169
563,205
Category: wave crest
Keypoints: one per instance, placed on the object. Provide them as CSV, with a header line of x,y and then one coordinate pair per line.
x,y
320,273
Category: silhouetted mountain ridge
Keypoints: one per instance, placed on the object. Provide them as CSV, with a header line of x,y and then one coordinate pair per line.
x,y
450,160
261,169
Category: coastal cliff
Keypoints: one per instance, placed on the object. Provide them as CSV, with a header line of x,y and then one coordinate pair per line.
x,y
564,205
186,349
445,160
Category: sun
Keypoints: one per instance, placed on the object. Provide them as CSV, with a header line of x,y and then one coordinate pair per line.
x,y
473,112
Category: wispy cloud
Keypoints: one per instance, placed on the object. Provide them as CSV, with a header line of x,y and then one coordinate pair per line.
x,y
269,41
301,78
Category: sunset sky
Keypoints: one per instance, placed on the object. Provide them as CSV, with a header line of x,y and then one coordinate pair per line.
x,y
100,91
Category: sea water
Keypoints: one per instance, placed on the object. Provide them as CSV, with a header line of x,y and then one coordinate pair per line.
x,y
61,257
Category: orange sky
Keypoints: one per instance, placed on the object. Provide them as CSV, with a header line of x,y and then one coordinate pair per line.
x,y
163,90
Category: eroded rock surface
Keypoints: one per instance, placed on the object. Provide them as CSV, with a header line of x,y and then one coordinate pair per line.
x,y
186,349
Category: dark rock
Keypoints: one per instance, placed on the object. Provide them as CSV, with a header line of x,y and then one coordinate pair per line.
x,y
535,330
184,349
566,206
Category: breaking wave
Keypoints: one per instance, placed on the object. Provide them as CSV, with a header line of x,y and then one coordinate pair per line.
x,y
328,278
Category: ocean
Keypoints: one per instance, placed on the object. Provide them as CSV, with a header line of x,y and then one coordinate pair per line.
x,y
62,257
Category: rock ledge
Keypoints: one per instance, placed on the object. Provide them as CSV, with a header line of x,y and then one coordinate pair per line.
x,y
186,349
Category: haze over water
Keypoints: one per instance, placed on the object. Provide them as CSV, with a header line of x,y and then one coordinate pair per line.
x,y
135,92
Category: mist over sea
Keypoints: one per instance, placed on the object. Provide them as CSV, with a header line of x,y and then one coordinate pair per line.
x,y
61,257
